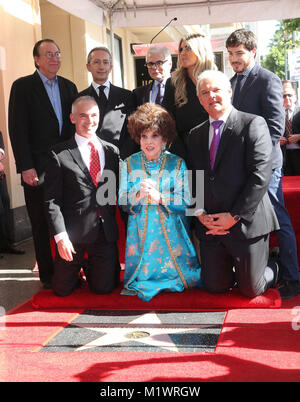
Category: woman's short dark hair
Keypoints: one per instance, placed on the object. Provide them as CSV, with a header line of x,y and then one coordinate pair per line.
x,y
151,116
242,37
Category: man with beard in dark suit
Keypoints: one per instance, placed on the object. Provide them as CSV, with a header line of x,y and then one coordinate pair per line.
x,y
234,151
259,91
39,109
115,103
81,215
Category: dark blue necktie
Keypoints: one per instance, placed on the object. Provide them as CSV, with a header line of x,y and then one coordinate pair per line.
x,y
237,89
159,96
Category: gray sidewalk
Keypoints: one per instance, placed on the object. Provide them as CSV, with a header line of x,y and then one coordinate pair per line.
x,y
17,281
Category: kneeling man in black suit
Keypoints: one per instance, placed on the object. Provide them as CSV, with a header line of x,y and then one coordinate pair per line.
x,y
80,195
233,149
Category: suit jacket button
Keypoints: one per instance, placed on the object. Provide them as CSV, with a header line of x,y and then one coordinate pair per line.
x,y
211,178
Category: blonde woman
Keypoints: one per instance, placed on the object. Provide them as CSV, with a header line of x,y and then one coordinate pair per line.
x,y
194,56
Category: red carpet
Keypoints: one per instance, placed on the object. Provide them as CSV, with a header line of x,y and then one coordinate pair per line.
x,y
255,345
189,300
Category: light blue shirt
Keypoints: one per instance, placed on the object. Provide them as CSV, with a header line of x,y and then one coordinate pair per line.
x,y
52,89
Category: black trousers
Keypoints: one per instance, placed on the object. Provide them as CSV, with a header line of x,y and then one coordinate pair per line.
x,y
225,262
5,237
34,198
102,270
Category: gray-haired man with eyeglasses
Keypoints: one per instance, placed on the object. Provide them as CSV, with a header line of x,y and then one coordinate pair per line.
x,y
39,109
159,64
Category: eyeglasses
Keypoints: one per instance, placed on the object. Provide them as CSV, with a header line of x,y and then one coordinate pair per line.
x,y
49,55
157,64
288,95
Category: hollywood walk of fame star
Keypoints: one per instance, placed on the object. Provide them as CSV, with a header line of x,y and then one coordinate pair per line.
x,y
149,330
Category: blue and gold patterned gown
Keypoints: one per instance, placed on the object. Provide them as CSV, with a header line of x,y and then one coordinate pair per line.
x,y
159,253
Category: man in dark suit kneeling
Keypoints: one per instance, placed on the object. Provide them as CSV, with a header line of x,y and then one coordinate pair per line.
x,y
80,194
233,149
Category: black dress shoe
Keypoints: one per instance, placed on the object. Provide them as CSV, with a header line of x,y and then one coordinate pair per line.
x,y
289,289
11,250
276,270
275,264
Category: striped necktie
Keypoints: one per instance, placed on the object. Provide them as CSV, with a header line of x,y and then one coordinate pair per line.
x,y
288,125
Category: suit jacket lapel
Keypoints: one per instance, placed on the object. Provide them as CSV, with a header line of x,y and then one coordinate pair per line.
x,y
204,140
42,94
148,89
107,157
63,102
112,98
107,164
225,137
74,151
250,80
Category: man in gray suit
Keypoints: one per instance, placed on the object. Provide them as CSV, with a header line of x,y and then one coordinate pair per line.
x,y
234,227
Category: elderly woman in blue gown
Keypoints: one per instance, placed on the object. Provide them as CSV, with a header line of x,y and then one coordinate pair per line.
x,y
154,192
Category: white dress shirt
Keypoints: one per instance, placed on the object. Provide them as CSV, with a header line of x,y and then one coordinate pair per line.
x,y
106,90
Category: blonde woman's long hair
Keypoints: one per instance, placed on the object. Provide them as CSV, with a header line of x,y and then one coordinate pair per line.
x,y
202,48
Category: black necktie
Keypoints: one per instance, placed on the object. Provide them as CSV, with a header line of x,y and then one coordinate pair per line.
x,y
237,89
102,99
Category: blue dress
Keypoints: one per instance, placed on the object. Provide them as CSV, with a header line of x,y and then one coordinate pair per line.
x,y
159,253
